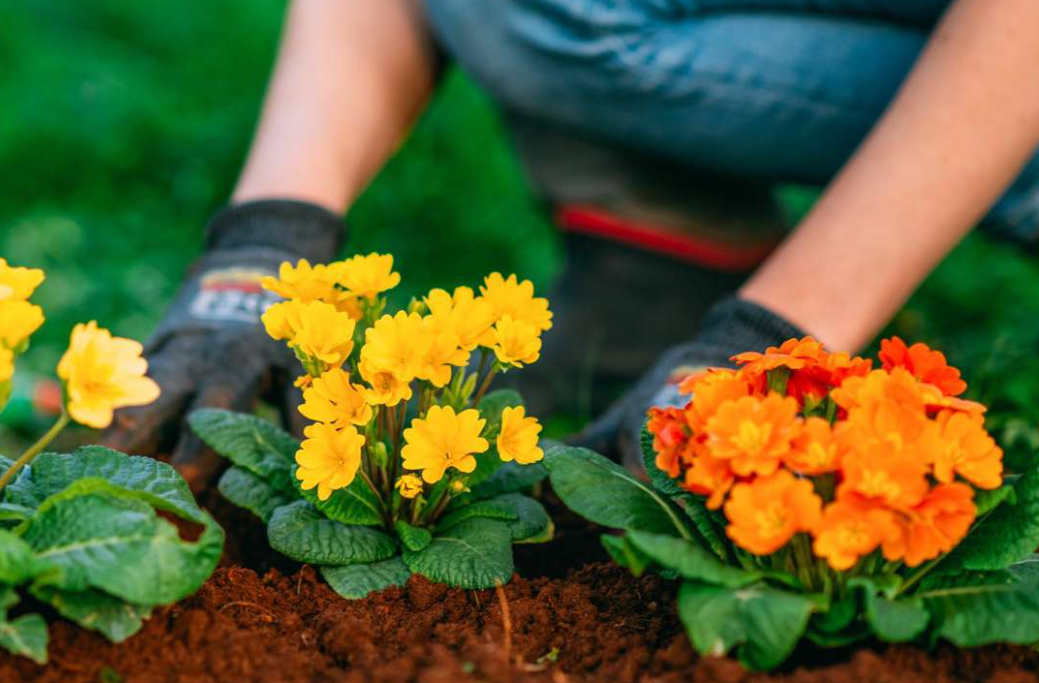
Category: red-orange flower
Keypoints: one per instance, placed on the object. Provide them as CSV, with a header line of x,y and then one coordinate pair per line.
x,y
850,529
963,447
753,433
933,527
764,514
815,450
670,435
927,365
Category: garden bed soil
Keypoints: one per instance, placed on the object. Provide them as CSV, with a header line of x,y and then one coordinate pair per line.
x,y
569,616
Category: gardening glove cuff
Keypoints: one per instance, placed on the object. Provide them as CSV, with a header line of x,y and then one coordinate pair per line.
x,y
731,326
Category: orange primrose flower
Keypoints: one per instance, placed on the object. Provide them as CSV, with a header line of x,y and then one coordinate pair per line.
x,y
927,365
793,354
753,432
850,529
766,513
933,527
815,450
708,476
966,449
670,435
886,475
710,390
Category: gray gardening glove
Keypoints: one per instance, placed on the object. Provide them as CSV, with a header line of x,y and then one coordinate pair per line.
x,y
732,326
211,350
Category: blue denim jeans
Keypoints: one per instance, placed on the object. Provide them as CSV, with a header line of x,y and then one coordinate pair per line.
x,y
780,91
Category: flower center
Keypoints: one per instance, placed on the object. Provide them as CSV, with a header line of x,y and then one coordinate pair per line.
x,y
752,439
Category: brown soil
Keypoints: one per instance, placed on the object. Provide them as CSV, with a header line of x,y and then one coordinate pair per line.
x,y
262,619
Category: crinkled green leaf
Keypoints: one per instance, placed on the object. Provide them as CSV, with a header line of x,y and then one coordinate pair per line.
x,y
12,513
606,493
18,561
763,624
102,537
355,504
1008,534
529,520
1026,570
25,636
151,480
299,531
251,492
511,477
356,581
253,444
970,616
411,537
625,554
689,560
490,509
987,501
115,619
474,554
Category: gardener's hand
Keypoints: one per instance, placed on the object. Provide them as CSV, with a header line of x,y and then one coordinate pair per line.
x,y
730,327
211,349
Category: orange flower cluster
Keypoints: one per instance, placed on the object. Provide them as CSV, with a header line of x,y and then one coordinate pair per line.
x,y
799,440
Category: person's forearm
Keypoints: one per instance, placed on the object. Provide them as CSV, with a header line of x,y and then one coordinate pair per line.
x,y
964,124
351,77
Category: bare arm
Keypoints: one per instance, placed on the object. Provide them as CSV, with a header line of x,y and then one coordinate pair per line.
x,y
351,77
964,124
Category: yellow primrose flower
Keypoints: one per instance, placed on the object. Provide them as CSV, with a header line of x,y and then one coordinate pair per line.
x,y
516,342
101,373
306,283
409,486
6,366
443,439
441,352
324,333
516,299
367,276
16,283
468,316
328,458
397,344
518,439
281,320
18,320
386,388
332,399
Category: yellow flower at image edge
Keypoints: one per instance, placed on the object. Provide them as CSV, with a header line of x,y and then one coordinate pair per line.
x,y
16,283
409,485
6,365
328,458
443,439
518,439
101,373
18,320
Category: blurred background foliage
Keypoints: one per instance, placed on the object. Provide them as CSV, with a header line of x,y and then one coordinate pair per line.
x,y
123,125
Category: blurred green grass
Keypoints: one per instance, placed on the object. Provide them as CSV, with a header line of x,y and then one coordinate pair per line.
x,y
123,125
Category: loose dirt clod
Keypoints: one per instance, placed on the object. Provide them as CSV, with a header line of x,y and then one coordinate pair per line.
x,y
272,624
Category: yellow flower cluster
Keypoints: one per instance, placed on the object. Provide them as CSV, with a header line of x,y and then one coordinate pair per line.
x,y
364,367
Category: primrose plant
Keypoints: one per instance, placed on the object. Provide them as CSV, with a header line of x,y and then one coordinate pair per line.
x,y
411,464
808,495
80,532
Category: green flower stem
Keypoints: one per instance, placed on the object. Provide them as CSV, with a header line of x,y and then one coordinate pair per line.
x,y
919,574
486,384
35,449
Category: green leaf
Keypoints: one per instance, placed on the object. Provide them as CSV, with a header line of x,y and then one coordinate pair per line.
x,y
115,619
474,554
1026,570
529,518
708,530
762,623
657,477
18,562
25,636
987,501
970,616
490,407
625,554
253,444
1008,534
253,493
299,531
151,480
356,581
896,621
102,537
355,504
490,509
606,493
511,477
689,560
11,512
411,537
